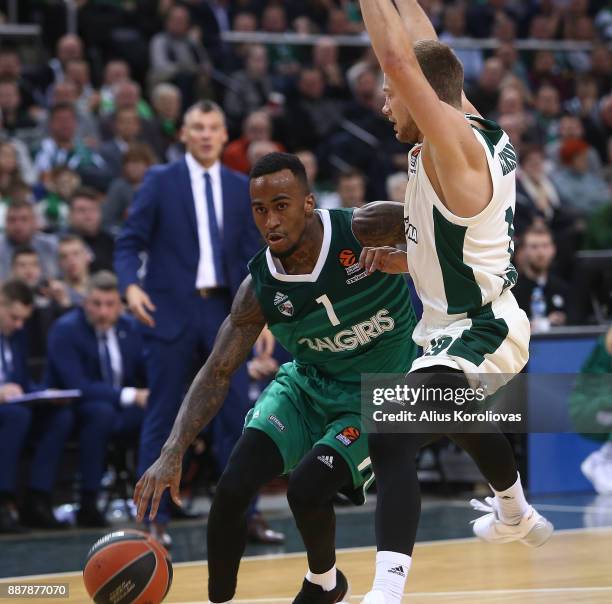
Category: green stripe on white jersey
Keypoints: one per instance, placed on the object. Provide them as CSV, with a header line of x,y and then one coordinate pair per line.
x,y
461,264
337,318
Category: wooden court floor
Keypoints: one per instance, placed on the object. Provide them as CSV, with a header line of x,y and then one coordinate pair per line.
x,y
575,566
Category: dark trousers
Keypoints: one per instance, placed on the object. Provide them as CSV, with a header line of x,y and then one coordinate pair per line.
x,y
48,428
169,366
98,422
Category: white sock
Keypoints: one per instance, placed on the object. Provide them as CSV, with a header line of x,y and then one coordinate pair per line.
x,y
391,572
512,503
228,602
326,580
607,450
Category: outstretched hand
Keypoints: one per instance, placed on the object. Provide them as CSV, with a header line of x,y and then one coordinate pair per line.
x,y
165,472
386,259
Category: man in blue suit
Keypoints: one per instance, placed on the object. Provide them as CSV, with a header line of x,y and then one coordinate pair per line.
x,y
48,425
193,218
98,350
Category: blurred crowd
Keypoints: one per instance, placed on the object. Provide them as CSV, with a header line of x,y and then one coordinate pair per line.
x,y
85,117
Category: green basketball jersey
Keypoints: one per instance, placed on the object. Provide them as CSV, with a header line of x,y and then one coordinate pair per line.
x,y
337,319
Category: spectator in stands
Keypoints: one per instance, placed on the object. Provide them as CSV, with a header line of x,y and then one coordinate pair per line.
x,y
136,161
257,127
599,129
601,67
49,426
259,149
454,27
580,190
350,191
63,148
250,87
78,72
88,129
85,220
311,165
536,282
127,132
547,111
485,93
509,56
325,58
11,69
584,103
167,103
570,126
15,162
21,229
69,48
51,300
115,72
99,350
74,261
15,117
53,210
177,58
545,70
284,58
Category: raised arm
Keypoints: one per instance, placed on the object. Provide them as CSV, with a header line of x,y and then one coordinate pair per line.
x,y
379,223
234,342
419,27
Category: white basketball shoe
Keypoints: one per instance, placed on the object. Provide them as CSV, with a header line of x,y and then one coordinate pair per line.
x,y
533,529
374,597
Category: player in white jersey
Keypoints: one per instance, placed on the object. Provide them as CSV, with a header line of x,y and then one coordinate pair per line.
x,y
459,209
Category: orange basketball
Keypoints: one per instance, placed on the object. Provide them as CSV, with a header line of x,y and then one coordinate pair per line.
x,y
127,567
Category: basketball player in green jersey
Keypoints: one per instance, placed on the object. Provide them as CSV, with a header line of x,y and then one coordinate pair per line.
x,y
337,322
459,207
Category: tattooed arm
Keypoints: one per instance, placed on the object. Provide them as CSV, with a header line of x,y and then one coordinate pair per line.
x,y
379,223
378,226
234,341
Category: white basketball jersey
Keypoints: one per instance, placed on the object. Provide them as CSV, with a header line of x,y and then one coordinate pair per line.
x,y
461,264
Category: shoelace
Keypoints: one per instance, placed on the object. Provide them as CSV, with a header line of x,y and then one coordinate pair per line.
x,y
488,506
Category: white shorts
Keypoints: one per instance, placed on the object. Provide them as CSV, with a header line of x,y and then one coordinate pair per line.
x,y
495,340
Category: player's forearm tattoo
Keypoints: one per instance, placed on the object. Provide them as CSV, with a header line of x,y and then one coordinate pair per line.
x,y
379,223
210,386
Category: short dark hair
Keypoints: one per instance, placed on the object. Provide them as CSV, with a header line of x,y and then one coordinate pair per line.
x,y
105,281
23,250
20,204
62,107
84,192
350,173
537,228
71,238
275,162
442,69
205,106
15,290
139,152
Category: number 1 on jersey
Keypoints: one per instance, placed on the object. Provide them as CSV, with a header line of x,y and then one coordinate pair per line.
x,y
329,308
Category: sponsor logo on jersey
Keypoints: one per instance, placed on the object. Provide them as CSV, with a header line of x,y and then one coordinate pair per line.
x,y
411,233
284,305
358,335
277,423
507,159
413,157
347,258
349,435
328,460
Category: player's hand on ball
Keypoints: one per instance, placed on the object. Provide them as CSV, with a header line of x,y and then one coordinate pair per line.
x,y
165,472
386,259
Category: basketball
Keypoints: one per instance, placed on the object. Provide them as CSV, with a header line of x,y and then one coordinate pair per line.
x,y
127,567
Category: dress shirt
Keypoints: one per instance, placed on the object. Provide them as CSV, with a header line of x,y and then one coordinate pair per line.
x,y
128,394
206,276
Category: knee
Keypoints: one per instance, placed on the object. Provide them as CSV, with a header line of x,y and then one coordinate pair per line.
x,y
15,418
98,414
302,495
233,491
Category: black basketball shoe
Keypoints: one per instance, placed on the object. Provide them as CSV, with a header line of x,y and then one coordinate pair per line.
x,y
314,594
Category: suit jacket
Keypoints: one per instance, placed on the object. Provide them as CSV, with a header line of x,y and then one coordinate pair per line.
x,y
19,351
162,221
74,360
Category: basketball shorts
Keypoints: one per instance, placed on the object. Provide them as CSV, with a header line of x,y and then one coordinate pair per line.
x,y
492,340
301,408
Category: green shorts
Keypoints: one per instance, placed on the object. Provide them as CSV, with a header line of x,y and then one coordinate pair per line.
x,y
302,408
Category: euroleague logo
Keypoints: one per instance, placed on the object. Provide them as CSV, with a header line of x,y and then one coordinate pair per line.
x,y
347,258
348,436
